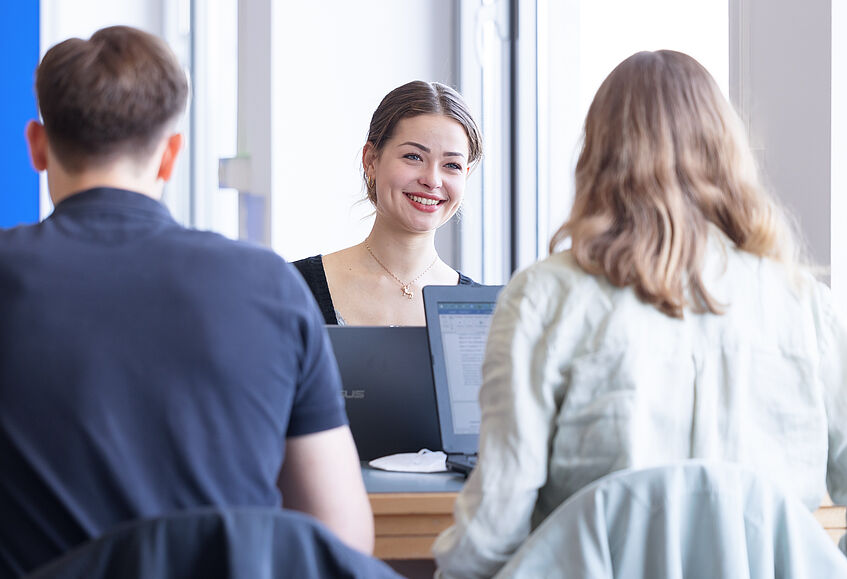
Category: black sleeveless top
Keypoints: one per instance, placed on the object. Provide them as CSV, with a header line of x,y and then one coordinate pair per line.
x,y
312,270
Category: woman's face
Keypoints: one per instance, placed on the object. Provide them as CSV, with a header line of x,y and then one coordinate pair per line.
x,y
421,172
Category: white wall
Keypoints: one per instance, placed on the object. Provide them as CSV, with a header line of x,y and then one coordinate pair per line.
x,y
838,152
781,63
61,19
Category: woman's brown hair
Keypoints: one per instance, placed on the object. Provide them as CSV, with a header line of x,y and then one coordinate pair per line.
x,y
664,156
421,98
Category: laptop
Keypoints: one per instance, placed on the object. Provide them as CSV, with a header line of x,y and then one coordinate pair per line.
x,y
457,322
386,379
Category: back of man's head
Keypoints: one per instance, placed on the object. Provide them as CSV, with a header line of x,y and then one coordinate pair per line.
x,y
114,95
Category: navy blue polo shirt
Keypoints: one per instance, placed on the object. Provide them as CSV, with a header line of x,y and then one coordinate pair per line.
x,y
145,368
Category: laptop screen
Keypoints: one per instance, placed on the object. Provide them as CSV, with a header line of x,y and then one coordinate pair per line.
x,y
464,329
458,319
387,386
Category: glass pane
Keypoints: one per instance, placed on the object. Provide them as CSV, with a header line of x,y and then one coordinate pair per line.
x,y
214,102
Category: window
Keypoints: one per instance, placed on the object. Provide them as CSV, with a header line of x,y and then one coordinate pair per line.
x,y
531,68
213,113
579,43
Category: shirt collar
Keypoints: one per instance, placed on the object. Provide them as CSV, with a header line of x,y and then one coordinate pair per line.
x,y
115,201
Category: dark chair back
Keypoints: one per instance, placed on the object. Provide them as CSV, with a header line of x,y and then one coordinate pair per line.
x,y
249,543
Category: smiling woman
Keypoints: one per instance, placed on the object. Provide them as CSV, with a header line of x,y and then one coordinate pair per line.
x,y
421,147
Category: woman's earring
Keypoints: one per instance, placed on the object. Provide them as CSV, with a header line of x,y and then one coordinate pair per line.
x,y
370,181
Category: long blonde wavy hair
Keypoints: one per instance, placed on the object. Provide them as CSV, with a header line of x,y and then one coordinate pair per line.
x,y
665,155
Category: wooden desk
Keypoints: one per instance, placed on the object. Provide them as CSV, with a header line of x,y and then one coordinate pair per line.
x,y
407,524
831,517
410,511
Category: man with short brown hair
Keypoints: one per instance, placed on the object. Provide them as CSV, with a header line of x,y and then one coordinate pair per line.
x,y
147,368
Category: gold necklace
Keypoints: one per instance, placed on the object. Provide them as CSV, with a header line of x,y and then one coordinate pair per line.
x,y
406,288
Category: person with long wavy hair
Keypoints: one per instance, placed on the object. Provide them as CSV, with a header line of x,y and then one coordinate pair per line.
x,y
664,159
682,322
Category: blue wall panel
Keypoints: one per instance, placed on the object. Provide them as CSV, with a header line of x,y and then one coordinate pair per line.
x,y
19,46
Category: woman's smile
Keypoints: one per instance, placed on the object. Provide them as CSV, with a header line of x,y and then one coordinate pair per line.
x,y
424,202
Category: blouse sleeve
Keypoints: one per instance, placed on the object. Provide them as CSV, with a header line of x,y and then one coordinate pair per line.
x,y
493,512
833,350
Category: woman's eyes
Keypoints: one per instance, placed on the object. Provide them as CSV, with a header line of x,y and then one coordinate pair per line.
x,y
417,157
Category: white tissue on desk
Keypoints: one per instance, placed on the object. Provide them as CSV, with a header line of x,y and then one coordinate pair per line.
x,y
424,460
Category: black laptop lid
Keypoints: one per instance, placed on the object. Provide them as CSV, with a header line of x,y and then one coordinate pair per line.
x,y
457,319
387,384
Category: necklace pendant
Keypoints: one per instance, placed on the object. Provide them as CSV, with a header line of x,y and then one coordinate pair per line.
x,y
408,292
